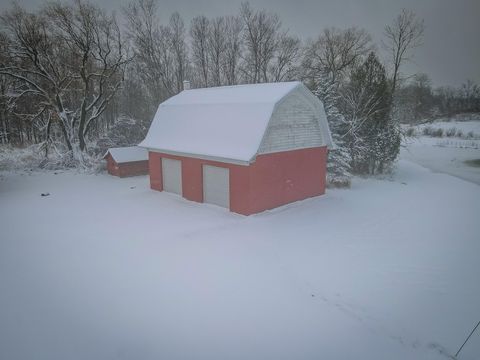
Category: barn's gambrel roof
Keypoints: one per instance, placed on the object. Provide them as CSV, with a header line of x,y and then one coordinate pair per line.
x,y
231,123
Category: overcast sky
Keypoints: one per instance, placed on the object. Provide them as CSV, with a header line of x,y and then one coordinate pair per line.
x,y
451,50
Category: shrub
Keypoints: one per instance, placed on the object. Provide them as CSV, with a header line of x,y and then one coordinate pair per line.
x,y
33,158
410,132
474,162
12,158
451,132
437,133
338,182
427,131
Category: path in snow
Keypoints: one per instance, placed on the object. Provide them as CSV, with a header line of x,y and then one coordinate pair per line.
x,y
441,156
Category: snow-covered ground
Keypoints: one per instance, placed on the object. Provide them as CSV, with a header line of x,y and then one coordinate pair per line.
x,y
449,155
105,268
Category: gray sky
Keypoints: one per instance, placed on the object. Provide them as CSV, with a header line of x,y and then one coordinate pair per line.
x,y
451,50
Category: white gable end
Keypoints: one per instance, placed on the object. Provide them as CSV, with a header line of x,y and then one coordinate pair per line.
x,y
295,124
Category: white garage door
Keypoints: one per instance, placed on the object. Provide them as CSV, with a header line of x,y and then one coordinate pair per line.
x,y
216,185
172,175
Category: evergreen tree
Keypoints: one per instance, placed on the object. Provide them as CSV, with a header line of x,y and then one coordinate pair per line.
x,y
338,165
373,138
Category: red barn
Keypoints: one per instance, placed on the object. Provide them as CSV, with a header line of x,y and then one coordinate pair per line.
x,y
127,161
248,148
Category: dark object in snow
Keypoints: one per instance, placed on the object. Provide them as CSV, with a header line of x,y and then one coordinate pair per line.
x,y
313,295
404,183
474,162
45,194
132,187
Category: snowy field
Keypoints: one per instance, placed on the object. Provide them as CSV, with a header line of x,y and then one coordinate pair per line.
x,y
105,268
447,154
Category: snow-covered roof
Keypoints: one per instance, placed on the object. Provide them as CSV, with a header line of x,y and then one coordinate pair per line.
x,y
128,154
226,123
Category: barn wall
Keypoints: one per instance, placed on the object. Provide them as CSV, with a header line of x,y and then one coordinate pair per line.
x,y
155,166
272,180
280,178
294,124
132,168
192,179
112,166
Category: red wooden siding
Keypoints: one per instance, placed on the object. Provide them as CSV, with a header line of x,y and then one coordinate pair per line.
x,y
132,168
280,178
271,181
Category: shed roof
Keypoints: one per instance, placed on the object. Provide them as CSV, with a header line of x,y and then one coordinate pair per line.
x,y
128,154
226,123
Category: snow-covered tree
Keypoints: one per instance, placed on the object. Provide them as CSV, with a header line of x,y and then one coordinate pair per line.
x,y
338,166
126,131
6,83
373,138
68,63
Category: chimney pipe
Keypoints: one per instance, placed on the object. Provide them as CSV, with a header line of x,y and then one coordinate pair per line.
x,y
186,85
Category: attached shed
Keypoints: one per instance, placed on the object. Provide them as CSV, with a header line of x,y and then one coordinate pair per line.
x,y
127,161
248,148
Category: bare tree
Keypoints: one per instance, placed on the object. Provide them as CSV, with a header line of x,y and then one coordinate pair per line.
x,y
284,65
152,47
5,87
216,49
336,50
200,33
260,38
469,95
29,56
233,49
96,39
69,62
405,34
179,49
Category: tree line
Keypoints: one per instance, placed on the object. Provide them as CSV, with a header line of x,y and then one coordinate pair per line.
x,y
75,79
418,101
